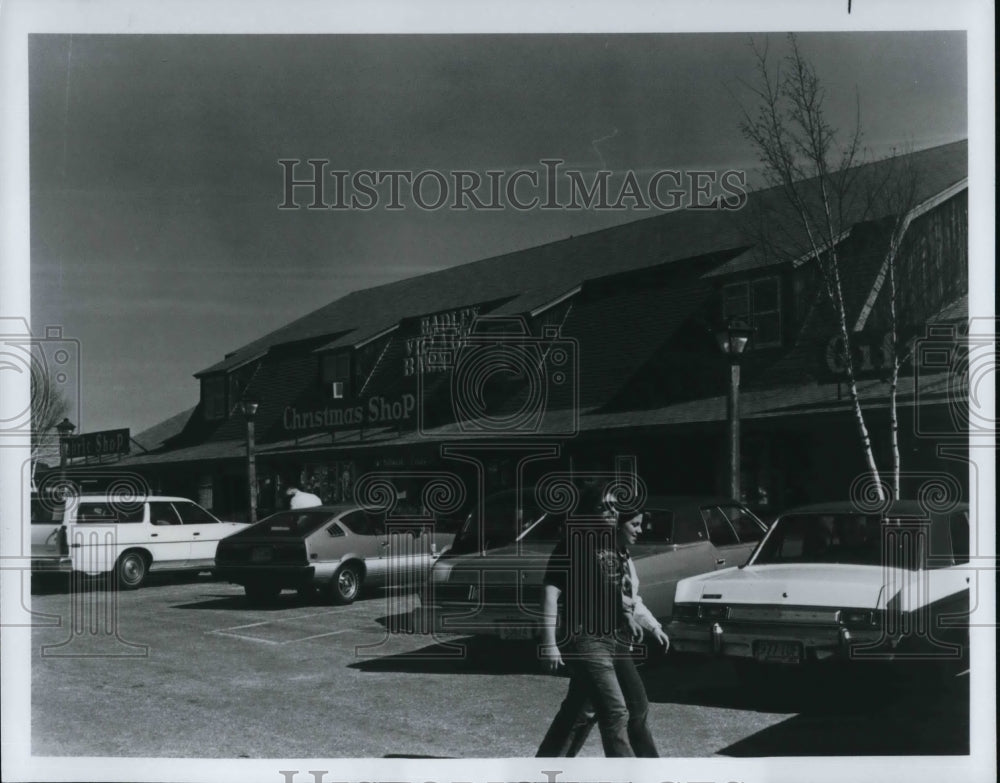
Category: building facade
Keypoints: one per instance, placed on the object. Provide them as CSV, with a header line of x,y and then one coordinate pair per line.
x,y
597,351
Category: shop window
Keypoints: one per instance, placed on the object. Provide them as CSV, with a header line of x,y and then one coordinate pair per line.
x,y
213,397
336,375
758,303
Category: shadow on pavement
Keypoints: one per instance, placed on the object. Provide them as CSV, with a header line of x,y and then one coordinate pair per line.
x,y
466,655
893,709
923,722
52,584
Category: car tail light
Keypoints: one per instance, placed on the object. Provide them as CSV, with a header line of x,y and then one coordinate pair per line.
x,y
62,540
685,611
713,611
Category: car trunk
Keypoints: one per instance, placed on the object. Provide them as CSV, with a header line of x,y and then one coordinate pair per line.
x,y
811,585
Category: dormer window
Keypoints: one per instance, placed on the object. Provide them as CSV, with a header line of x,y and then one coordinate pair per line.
x,y
335,375
213,397
758,303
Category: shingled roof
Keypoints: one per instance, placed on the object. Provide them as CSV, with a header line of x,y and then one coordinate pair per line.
x,y
532,277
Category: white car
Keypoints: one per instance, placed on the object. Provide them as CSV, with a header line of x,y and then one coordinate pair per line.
x,y
832,582
98,534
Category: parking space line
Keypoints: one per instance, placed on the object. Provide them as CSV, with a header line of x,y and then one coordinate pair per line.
x,y
278,620
244,636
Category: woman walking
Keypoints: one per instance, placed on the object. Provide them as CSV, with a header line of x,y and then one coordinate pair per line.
x,y
592,571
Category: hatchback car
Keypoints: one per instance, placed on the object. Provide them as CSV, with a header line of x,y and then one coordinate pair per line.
x,y
98,534
832,582
490,583
336,550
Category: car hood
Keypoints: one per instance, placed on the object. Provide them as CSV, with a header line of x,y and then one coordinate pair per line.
x,y
799,585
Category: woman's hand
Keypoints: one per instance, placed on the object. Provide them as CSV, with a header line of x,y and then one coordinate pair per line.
x,y
551,658
661,636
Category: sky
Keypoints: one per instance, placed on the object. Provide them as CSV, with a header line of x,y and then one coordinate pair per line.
x,y
156,239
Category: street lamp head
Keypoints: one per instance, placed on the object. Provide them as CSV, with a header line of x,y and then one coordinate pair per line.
x,y
249,405
65,428
733,338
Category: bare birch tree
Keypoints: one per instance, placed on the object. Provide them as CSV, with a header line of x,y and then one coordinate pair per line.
x,y
48,407
823,191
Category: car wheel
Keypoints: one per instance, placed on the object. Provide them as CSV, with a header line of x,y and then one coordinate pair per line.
x,y
346,584
261,592
131,570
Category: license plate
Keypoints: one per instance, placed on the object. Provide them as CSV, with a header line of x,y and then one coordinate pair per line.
x,y
516,633
781,652
261,554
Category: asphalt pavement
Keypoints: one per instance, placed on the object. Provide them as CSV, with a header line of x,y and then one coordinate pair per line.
x,y
186,668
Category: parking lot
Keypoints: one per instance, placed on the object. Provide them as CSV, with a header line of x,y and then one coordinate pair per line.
x,y
186,668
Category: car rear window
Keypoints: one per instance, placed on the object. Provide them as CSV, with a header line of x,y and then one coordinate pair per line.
x,y
292,524
109,512
853,539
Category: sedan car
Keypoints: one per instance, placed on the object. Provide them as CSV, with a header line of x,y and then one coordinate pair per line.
x,y
490,583
832,582
337,550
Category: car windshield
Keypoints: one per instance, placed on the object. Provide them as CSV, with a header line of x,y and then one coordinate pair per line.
x,y
847,538
547,529
293,524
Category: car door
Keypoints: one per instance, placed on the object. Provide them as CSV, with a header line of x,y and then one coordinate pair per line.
x,y
202,530
673,545
749,531
729,551
169,542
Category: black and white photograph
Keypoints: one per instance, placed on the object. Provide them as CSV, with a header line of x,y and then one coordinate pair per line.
x,y
427,393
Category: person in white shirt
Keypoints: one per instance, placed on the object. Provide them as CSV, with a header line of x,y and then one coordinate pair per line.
x,y
300,499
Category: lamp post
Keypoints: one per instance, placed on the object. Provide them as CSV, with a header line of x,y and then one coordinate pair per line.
x,y
65,428
249,406
733,339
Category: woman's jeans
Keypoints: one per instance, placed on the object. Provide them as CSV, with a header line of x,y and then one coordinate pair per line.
x,y
603,680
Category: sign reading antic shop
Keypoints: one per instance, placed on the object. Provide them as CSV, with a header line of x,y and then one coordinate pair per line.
x,y
99,444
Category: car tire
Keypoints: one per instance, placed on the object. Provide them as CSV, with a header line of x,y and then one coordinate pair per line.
x,y
131,569
345,586
261,592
